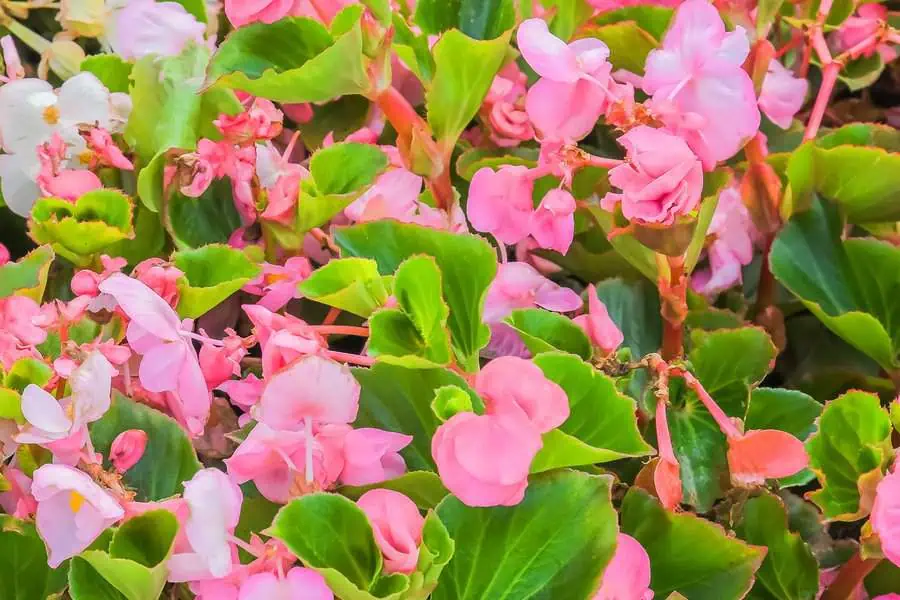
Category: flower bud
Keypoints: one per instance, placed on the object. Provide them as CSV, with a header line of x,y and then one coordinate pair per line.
x,y
127,449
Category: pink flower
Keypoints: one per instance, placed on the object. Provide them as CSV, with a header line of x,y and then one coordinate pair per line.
x,y
861,34
732,246
242,12
782,94
397,525
69,184
299,584
627,576
11,60
18,501
267,457
85,282
600,329
514,385
281,179
244,393
127,449
610,5
277,284
222,362
484,460
283,338
312,387
372,456
885,519
763,454
262,121
161,277
298,113
394,195
698,70
72,510
4,255
504,106
519,285
661,181
500,203
17,315
215,508
553,223
571,94
146,27
106,152
169,362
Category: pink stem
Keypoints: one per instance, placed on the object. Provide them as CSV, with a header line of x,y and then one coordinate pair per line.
x,y
829,77
663,437
718,415
353,359
243,545
341,330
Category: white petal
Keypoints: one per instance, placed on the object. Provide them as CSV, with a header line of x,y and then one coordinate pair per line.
x,y
43,411
83,99
19,190
22,105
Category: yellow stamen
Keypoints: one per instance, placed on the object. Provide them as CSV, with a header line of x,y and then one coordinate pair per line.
x,y
51,115
86,157
76,501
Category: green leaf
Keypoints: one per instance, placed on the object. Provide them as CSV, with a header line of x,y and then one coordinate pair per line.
x,y
422,487
600,416
450,400
211,274
638,255
785,410
628,44
569,15
652,19
134,566
554,544
194,7
848,285
110,69
789,571
169,458
23,562
28,275
209,219
396,398
25,371
413,50
700,447
848,452
332,535
97,220
467,265
419,326
545,331
11,407
351,284
292,60
478,19
465,69
149,238
688,554
257,514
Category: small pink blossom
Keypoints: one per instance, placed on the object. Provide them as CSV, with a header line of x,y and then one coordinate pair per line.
x,y
18,501
763,454
394,195
782,94
627,576
661,180
4,255
244,393
11,60
222,362
161,277
519,285
511,384
505,108
298,113
145,27
732,248
281,180
861,34
106,152
397,525
261,121
85,282
599,327
242,12
17,317
268,458
72,510
299,583
571,94
885,519
277,284
127,449
69,184
484,460
283,338
553,223
372,456
698,71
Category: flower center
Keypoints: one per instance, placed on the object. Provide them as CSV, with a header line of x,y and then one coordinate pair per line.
x,y
76,501
85,157
51,115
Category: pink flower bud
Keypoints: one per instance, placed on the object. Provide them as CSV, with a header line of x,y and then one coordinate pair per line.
x,y
127,449
397,525
4,255
600,328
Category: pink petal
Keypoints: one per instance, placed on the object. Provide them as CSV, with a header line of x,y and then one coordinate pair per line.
x,y
548,55
627,576
765,454
143,306
43,411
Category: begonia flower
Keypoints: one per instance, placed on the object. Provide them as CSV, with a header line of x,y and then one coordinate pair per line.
x,y
397,525
601,330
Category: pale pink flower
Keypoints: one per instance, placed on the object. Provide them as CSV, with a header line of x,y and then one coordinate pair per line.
x,y
298,584
261,121
18,501
161,277
782,94
222,362
599,327
283,338
127,449
68,184
885,519
397,525
372,456
505,109
500,203
572,92
242,12
661,180
484,460
394,195
269,458
243,393
281,179
627,576
169,361
699,71
860,34
106,152
277,284
17,317
732,246
86,282
311,388
610,5
553,223
214,502
72,510
145,27
519,285
11,60
511,384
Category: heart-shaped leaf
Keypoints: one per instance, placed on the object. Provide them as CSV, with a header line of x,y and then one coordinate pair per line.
x,y
211,274
351,284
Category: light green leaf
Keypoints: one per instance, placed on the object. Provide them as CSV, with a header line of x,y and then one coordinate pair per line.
x,y
688,554
422,487
211,274
169,458
28,275
554,544
545,331
464,71
467,265
652,19
110,69
628,44
292,60
848,452
569,15
26,371
351,284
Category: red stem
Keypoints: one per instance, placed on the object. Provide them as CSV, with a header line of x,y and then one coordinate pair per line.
x,y
332,316
829,77
673,297
353,359
722,420
851,575
341,330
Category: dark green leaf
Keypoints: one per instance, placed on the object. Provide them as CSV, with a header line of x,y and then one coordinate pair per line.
x,y
545,331
23,563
